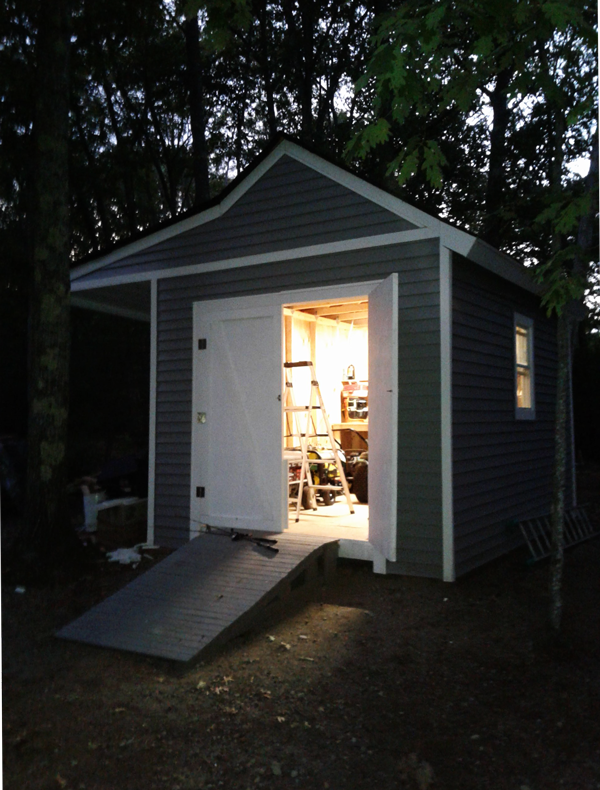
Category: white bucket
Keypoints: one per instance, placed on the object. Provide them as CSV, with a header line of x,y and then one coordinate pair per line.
x,y
90,509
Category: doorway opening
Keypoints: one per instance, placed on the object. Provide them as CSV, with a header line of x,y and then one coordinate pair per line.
x,y
334,336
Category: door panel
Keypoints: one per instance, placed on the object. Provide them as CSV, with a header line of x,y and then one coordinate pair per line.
x,y
237,451
383,416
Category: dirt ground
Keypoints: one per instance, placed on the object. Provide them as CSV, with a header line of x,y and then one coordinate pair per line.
x,y
376,682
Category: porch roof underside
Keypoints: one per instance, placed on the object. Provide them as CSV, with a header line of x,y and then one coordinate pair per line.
x,y
129,300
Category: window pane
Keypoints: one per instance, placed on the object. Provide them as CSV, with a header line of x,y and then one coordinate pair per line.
x,y
523,388
522,338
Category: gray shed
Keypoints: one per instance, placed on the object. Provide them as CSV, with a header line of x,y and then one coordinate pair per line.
x,y
302,257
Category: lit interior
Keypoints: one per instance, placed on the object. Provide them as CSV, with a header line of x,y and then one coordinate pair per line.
x,y
334,336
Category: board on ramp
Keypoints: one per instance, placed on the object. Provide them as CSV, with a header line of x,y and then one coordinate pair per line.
x,y
203,594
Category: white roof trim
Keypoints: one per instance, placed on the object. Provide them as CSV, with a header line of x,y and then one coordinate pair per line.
x,y
361,243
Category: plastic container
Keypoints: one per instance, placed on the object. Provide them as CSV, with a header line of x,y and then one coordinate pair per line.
x,y
90,509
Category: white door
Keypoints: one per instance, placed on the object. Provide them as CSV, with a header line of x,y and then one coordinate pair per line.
x,y
237,469
383,416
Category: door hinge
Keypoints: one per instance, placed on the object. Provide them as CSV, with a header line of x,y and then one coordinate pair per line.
x,y
202,344
200,491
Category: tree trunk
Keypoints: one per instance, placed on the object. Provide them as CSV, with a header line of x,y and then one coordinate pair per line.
x,y
122,157
96,191
266,69
47,524
494,197
197,111
306,75
585,237
587,224
563,350
300,42
560,450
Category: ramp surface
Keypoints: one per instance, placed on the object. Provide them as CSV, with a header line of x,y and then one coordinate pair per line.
x,y
203,594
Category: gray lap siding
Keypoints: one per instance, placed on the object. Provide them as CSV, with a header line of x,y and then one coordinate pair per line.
x,y
419,481
290,206
502,467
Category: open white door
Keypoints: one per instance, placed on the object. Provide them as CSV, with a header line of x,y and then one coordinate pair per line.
x,y
237,468
383,417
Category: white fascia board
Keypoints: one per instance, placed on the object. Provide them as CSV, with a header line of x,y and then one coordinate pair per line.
x,y
488,257
184,225
364,242
150,535
457,240
103,307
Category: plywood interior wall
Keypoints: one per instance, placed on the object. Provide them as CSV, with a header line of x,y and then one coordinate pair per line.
x,y
332,346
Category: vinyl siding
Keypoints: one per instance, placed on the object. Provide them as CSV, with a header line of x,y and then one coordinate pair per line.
x,y
419,455
502,466
290,206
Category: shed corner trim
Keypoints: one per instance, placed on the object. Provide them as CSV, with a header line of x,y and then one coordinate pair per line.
x,y
448,560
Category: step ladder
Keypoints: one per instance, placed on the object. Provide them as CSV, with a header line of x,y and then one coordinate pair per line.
x,y
304,426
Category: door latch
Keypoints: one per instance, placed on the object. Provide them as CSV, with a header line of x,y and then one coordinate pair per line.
x,y
201,417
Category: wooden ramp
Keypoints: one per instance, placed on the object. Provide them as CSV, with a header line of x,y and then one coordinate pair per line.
x,y
203,594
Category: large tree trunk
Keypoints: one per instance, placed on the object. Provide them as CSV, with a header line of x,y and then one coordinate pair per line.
x,y
557,519
560,463
197,111
47,524
585,239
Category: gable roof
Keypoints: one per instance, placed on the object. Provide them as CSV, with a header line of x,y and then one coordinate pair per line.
x,y
416,224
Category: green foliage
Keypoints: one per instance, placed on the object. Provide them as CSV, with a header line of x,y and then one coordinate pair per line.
x,y
266,66
375,134
561,286
422,106
565,214
408,166
433,161
446,77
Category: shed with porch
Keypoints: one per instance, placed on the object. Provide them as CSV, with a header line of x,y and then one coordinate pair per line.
x,y
461,364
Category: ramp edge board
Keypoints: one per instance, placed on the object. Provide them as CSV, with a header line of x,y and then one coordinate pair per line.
x,y
202,595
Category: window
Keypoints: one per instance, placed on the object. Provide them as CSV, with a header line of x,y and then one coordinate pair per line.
x,y
524,382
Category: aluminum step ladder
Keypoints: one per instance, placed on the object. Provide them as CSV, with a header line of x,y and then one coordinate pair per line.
x,y
304,426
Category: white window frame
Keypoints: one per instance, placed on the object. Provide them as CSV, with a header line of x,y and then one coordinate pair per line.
x,y
524,322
